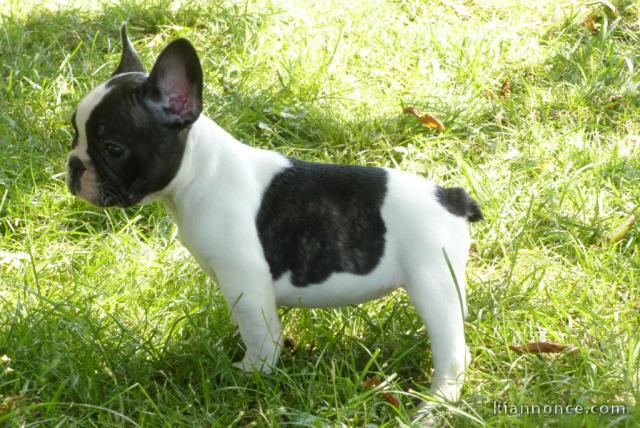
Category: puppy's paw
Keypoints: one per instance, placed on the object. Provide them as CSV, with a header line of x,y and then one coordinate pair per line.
x,y
447,390
248,365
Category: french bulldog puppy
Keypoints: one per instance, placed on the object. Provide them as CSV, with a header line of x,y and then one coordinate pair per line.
x,y
273,230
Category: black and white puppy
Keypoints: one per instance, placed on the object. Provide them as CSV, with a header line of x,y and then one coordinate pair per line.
x,y
273,230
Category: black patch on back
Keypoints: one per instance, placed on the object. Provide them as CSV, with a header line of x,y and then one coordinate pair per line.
x,y
316,219
458,202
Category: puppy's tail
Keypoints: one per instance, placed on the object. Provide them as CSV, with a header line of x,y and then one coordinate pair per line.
x,y
458,202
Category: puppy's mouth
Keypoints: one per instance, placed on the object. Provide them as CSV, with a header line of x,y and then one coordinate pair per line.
x,y
110,196
83,181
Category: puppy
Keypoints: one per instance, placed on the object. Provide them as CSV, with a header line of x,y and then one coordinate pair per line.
x,y
273,230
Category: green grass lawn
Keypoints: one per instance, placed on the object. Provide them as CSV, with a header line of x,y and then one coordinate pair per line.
x,y
106,320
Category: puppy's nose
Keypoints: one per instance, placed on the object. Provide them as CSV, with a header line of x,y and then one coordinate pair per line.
x,y
76,168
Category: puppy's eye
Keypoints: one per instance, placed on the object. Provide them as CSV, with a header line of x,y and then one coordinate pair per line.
x,y
113,150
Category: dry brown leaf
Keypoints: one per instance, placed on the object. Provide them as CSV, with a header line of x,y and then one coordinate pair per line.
x,y
371,383
505,91
390,398
591,24
425,118
543,348
616,101
374,382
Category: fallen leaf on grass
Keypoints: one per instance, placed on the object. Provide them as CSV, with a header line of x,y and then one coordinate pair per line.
x,y
623,228
371,382
425,118
374,382
505,91
543,348
591,24
390,398
616,101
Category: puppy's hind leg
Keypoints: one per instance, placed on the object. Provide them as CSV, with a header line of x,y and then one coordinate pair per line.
x,y
432,291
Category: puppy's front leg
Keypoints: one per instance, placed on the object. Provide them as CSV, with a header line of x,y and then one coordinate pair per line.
x,y
254,310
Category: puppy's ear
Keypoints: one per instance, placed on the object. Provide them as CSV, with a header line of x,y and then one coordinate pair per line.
x,y
129,60
173,90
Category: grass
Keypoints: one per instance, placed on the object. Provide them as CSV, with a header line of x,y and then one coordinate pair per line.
x,y
105,320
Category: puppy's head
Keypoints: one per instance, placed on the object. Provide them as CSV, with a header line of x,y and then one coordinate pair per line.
x,y
130,131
